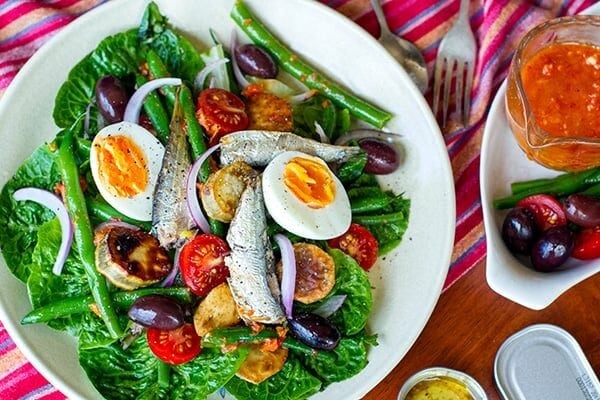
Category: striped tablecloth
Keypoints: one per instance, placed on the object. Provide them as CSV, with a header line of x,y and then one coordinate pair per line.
x,y
25,25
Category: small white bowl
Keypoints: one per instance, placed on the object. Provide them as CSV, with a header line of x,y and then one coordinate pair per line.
x,y
503,162
433,373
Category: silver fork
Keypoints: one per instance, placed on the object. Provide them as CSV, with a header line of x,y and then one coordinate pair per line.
x,y
457,49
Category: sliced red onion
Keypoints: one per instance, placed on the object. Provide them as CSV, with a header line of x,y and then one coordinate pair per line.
x,y
134,105
212,83
115,223
288,275
237,72
53,202
302,97
321,132
330,306
169,279
86,121
208,69
192,195
358,134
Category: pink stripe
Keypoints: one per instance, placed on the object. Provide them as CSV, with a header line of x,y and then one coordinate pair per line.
x,y
42,30
471,220
472,257
6,79
18,61
17,12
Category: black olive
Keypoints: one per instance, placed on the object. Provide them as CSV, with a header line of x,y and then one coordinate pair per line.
x,y
314,331
157,311
519,230
583,210
111,98
255,61
552,249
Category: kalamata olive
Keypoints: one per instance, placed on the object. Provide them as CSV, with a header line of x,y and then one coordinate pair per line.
x,y
157,311
314,331
382,157
255,61
583,210
552,249
111,98
519,230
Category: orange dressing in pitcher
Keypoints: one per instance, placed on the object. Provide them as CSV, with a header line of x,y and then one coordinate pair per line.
x,y
562,85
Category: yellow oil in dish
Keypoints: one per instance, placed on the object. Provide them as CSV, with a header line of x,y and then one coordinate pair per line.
x,y
440,388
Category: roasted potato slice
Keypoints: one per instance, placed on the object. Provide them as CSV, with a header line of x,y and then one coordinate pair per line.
x,y
315,273
269,112
216,310
261,364
130,258
222,191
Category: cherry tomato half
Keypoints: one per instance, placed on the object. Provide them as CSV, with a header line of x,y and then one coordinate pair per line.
x,y
587,244
358,243
177,346
202,263
220,112
548,212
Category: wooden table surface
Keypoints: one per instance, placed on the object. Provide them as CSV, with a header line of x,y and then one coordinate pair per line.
x,y
471,321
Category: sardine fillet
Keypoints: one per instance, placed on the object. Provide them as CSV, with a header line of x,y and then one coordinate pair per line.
x,y
170,215
251,262
258,148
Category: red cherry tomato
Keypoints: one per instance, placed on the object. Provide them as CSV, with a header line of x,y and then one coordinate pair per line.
x,y
547,210
177,346
221,112
358,243
202,263
587,244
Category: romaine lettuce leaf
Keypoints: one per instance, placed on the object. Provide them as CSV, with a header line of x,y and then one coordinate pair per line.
x,y
132,373
351,280
293,382
346,360
116,55
20,221
44,287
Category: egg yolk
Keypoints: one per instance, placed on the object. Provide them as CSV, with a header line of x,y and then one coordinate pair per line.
x,y
122,166
310,181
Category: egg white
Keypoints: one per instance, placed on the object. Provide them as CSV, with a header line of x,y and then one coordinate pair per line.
x,y
295,216
139,206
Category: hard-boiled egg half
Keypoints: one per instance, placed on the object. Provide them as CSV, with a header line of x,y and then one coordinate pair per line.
x,y
125,160
305,197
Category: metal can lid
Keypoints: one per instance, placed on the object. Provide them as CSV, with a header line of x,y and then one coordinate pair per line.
x,y
473,387
544,362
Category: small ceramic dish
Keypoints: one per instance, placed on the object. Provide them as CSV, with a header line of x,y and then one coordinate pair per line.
x,y
503,162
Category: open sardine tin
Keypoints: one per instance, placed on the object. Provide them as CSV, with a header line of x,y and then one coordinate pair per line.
x,y
544,362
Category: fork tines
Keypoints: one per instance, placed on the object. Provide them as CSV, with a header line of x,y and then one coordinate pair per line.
x,y
462,96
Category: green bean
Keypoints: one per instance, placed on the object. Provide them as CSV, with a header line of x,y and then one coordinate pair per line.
x,y
83,233
159,70
77,305
368,199
593,190
155,111
104,211
84,147
561,185
194,130
164,374
198,145
230,336
291,63
379,219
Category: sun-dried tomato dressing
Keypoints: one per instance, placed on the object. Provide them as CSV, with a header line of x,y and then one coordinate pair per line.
x,y
562,85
